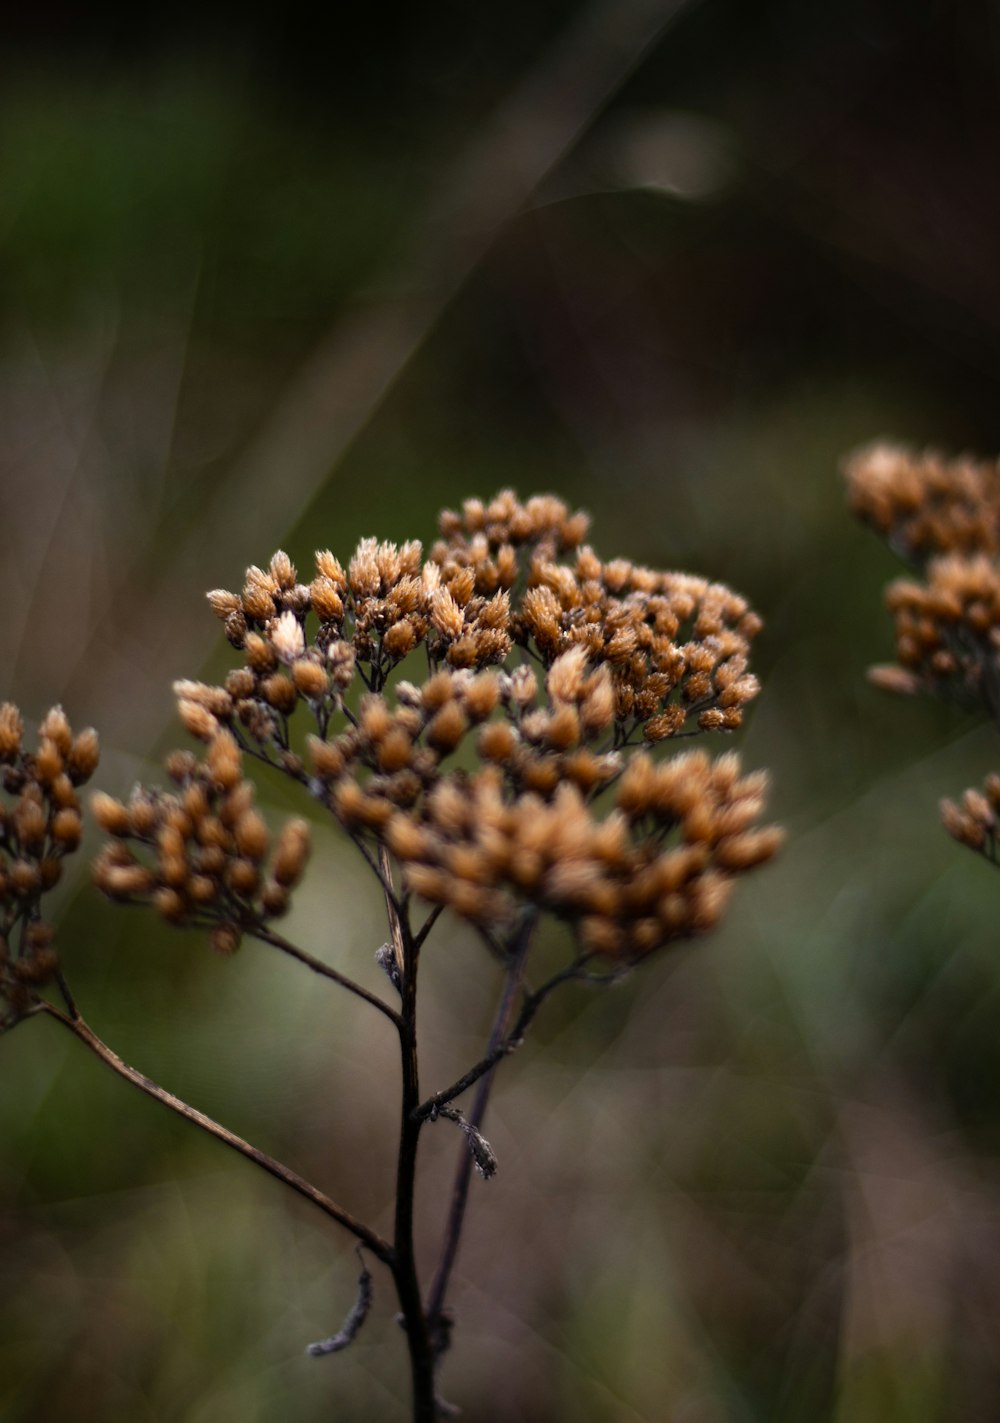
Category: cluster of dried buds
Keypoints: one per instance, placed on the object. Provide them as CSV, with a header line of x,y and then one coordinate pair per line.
x,y
510,780
943,517
201,854
974,820
40,825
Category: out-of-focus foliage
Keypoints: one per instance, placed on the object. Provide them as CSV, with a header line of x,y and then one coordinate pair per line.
x,y
757,1181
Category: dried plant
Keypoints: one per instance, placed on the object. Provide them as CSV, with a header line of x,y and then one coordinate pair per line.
x,y
943,517
515,774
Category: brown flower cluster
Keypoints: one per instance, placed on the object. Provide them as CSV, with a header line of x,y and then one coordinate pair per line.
x,y
947,630
40,824
200,854
944,517
624,887
520,831
924,504
975,819
545,666
504,576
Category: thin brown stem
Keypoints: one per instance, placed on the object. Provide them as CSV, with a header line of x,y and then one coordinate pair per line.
x,y
380,1248
268,936
463,1173
529,1007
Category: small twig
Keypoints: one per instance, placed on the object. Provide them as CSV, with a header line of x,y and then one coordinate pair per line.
x,y
427,925
380,1248
347,1332
530,1006
68,999
268,936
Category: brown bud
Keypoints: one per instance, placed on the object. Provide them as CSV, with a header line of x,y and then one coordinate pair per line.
x,y
400,639
327,757
274,898
181,765
48,761
11,731
241,683
326,600
225,938
260,654
197,720
310,679
283,570
110,814
497,741
481,696
202,889
67,828
279,693
63,794
83,756
29,823
291,852
56,728
243,877
224,761
395,751
142,814
251,835
223,603
169,905
447,727
25,878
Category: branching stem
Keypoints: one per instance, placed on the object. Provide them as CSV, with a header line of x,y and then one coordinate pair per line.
x,y
529,1007
380,1248
463,1173
268,936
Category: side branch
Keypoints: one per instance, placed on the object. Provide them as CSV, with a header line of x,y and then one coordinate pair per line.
x,y
380,1248
499,1034
267,936
530,1006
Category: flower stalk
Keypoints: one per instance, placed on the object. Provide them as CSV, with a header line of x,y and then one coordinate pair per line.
x,y
523,777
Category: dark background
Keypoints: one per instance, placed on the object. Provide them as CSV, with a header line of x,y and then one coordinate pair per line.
x,y
267,279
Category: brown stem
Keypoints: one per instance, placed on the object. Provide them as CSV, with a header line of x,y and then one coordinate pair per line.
x,y
268,936
380,1248
463,1173
530,1006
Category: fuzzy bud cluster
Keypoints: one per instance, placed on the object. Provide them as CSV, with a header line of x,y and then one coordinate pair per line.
x,y
522,829
202,853
504,576
546,668
975,819
40,824
924,504
947,629
658,866
943,516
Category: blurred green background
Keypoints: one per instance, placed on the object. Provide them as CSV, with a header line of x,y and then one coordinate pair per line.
x,y
268,279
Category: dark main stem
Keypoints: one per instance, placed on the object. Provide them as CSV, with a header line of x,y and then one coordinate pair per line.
x,y
404,1261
